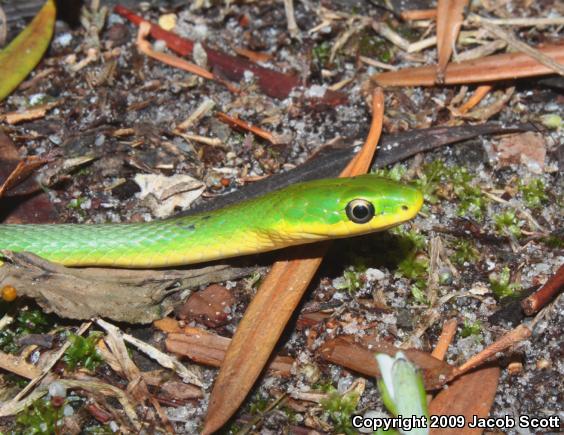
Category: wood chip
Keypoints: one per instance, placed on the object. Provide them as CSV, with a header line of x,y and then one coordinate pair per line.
x,y
210,306
470,395
358,355
209,349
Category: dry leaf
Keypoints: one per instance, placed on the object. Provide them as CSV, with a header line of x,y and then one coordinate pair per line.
x,y
168,193
449,20
25,51
527,149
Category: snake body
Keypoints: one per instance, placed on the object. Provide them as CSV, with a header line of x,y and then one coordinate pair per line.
x,y
302,213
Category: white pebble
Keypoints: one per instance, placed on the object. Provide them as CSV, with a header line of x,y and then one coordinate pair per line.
x,y
373,274
56,389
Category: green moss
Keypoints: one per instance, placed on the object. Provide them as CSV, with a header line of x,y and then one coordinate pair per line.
x,y
418,292
234,428
39,418
464,251
258,405
534,193
437,180
553,241
82,352
430,179
33,321
414,266
291,415
83,172
353,280
373,46
76,203
8,341
12,379
27,322
472,202
409,240
412,263
395,173
552,120
321,53
99,430
340,408
471,328
501,284
507,224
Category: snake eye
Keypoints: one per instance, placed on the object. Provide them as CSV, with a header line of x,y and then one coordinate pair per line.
x,y
360,211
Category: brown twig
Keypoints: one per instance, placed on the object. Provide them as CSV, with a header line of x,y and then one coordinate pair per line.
x,y
291,24
145,47
419,14
514,336
479,94
239,123
18,365
273,83
447,334
508,37
255,56
545,294
28,114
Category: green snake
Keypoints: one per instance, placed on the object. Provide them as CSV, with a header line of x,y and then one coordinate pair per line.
x,y
298,214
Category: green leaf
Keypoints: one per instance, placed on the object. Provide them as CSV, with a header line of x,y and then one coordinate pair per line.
x,y
19,58
401,387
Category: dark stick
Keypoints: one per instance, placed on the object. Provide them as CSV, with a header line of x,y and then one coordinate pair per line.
x,y
330,161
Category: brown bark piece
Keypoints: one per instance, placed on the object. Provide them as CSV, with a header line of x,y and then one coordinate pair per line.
x,y
470,395
181,391
134,296
209,306
18,365
209,349
359,356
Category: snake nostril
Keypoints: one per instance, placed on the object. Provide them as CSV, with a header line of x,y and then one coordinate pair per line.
x,y
404,207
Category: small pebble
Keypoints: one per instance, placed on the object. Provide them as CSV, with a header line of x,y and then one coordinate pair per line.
x,y
56,389
515,368
167,21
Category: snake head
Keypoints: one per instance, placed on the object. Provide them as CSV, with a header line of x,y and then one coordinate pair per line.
x,y
344,207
